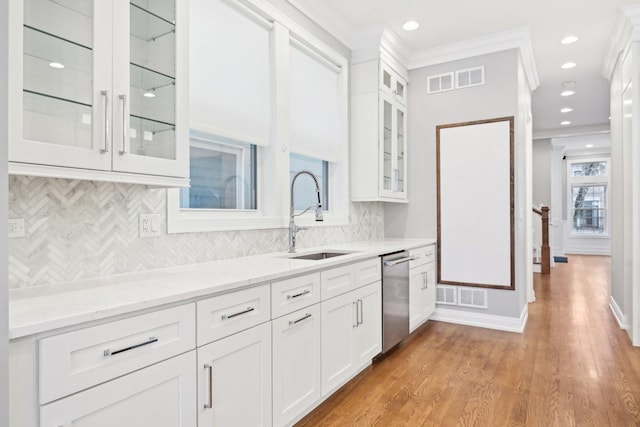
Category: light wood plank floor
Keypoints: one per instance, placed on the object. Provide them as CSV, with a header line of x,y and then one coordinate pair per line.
x,y
573,366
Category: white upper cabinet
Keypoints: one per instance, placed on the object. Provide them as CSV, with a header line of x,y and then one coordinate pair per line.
x,y
102,90
378,131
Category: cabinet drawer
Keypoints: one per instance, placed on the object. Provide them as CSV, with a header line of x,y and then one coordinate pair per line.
x,y
337,281
227,314
423,255
161,395
80,359
368,271
293,294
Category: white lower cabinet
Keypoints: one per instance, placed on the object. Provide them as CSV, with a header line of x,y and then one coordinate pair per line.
x,y
234,380
296,364
161,395
422,294
351,334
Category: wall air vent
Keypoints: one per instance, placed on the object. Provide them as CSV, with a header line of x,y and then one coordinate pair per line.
x,y
470,77
471,297
446,295
440,83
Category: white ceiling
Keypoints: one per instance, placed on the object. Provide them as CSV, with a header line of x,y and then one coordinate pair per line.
x,y
448,21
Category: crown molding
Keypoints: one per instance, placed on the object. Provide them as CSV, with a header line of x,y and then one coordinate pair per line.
x,y
626,30
514,39
325,18
573,131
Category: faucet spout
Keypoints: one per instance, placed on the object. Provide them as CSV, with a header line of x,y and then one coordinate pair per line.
x,y
293,228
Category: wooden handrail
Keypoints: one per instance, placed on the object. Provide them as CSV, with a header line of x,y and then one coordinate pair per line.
x,y
538,211
545,249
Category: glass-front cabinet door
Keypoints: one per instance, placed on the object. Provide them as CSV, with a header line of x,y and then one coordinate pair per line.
x,y
61,110
393,161
145,129
95,93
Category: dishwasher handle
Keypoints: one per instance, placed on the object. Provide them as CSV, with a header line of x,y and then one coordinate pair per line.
x,y
399,261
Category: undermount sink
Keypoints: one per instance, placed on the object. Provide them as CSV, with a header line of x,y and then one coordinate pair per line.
x,y
319,255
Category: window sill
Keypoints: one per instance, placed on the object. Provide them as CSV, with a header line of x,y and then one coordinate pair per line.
x,y
588,236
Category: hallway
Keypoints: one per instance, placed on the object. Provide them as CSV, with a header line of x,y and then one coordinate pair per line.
x,y
572,366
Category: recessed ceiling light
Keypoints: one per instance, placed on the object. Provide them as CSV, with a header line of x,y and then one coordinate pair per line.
x,y
589,146
565,123
568,65
567,93
569,40
410,26
149,94
56,65
566,110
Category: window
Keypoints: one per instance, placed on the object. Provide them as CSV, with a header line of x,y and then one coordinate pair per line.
x,y
589,169
267,99
305,190
588,182
223,174
589,209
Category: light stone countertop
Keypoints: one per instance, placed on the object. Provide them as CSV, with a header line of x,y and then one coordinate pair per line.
x,y
45,308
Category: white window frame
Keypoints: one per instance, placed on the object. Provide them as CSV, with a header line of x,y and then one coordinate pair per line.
x,y
272,175
599,180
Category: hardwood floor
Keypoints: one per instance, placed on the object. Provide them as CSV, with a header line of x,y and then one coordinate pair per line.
x,y
573,366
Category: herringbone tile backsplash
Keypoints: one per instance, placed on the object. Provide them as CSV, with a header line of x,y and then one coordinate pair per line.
x,y
83,229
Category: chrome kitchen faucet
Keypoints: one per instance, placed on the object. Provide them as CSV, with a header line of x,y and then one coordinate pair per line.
x,y
293,228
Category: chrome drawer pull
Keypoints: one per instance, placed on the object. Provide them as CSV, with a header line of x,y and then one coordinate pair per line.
x,y
229,316
305,292
209,404
151,340
306,316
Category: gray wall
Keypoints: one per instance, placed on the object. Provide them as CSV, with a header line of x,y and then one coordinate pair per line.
x,y
542,172
4,288
498,97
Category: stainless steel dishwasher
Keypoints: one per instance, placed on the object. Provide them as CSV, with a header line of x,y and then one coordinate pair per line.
x,y
395,298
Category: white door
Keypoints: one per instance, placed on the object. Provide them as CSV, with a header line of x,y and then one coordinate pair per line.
x,y
61,101
338,324
234,380
162,395
368,333
296,363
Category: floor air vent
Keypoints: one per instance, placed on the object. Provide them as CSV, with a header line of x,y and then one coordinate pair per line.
x,y
469,297
446,295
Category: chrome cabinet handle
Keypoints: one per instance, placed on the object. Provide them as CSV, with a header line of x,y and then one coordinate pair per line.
x,y
123,150
209,403
424,280
356,311
105,146
240,313
361,312
305,292
109,352
306,316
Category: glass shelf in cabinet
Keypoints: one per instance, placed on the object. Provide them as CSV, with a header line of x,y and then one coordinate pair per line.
x,y
70,20
148,26
55,67
152,138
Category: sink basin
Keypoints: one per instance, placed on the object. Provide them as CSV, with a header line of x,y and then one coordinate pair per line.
x,y
319,255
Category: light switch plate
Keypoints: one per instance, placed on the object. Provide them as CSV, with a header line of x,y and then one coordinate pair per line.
x,y
149,225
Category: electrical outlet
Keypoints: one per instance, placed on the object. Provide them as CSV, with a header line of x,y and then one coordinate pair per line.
x,y
16,227
149,225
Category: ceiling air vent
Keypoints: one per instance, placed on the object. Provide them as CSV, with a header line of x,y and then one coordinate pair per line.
x,y
470,77
446,295
440,83
469,297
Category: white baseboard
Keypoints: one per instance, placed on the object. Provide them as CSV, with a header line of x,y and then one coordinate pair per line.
x,y
481,320
617,313
537,268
